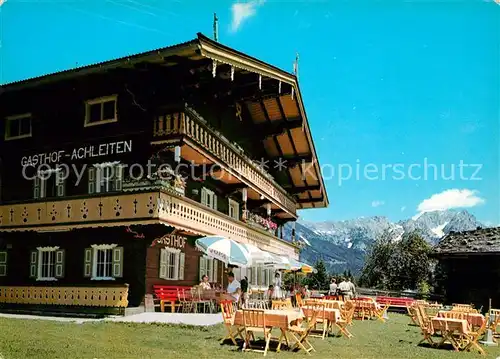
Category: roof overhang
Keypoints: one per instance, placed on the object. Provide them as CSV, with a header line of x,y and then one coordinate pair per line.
x,y
295,131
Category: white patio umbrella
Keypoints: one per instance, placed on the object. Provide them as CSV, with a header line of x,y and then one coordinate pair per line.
x,y
278,262
224,249
257,255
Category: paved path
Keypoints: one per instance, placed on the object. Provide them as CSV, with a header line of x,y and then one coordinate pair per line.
x,y
167,318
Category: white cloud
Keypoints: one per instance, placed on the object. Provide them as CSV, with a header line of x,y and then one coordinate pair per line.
x,y
403,208
377,203
452,198
2,2
242,11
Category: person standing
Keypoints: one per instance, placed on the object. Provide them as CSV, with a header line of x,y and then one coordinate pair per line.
x,y
233,288
333,287
244,292
277,286
352,288
343,289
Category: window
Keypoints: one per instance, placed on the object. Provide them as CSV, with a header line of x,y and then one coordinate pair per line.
x,y
47,263
234,209
18,126
103,262
50,183
101,110
171,264
208,266
105,177
3,264
208,198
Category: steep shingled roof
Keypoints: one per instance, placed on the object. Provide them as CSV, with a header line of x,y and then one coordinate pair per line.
x,y
481,240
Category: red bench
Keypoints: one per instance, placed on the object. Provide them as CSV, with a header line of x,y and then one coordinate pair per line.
x,y
168,294
396,302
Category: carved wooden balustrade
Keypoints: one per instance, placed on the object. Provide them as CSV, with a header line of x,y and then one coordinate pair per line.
x,y
115,297
189,124
151,206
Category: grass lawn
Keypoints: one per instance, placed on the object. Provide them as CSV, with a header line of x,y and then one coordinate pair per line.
x,y
24,339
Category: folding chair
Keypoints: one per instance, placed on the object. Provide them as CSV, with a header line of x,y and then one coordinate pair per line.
x,y
319,309
425,325
298,300
255,321
473,337
379,312
300,334
228,313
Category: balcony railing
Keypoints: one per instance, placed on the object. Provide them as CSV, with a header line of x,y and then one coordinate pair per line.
x,y
190,124
151,206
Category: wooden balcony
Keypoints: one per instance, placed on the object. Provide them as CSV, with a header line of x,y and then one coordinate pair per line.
x,y
141,208
231,158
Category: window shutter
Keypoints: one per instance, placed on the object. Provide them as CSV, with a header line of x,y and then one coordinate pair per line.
x,y
215,271
118,177
163,263
3,264
33,264
60,184
118,262
182,260
204,196
214,201
36,188
209,269
92,180
203,267
87,263
254,276
59,263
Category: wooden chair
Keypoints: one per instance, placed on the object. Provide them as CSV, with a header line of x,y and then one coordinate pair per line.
x,y
347,315
228,313
301,334
412,313
425,325
298,300
255,321
474,336
319,308
379,312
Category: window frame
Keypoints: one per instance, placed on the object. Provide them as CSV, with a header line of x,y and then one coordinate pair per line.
x,y
207,193
95,178
56,261
3,263
211,267
235,206
8,119
40,183
90,261
101,101
178,267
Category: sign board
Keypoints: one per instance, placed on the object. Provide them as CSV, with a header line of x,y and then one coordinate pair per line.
x,y
172,240
80,153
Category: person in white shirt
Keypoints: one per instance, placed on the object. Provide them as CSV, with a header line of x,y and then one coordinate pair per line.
x,y
344,289
233,288
333,287
352,288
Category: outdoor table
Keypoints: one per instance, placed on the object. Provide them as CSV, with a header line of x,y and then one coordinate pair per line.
x,y
448,327
281,319
474,319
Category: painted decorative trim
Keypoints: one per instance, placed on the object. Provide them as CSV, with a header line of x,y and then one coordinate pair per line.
x,y
104,246
48,279
47,249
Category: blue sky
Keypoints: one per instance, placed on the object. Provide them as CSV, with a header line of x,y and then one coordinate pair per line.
x,y
384,83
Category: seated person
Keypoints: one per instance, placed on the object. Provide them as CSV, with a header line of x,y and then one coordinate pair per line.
x,y
268,294
204,284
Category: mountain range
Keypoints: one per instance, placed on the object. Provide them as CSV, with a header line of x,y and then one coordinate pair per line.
x,y
343,245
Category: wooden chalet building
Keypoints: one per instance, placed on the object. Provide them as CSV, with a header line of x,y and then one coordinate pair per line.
x,y
470,262
80,208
